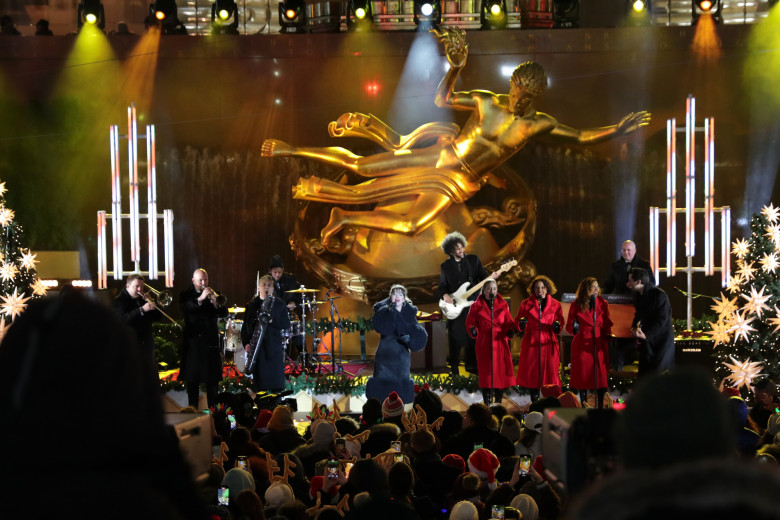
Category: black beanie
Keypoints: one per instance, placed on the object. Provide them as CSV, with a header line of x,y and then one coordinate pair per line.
x,y
276,261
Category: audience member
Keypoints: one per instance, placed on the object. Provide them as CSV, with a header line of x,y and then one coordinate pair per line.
x,y
765,404
282,435
42,28
393,409
476,431
7,27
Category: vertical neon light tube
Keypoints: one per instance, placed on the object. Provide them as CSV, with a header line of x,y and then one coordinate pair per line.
x,y
101,245
654,246
116,203
711,206
708,260
151,195
725,240
168,234
671,196
132,148
690,176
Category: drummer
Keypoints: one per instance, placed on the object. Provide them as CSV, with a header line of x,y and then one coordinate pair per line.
x,y
284,282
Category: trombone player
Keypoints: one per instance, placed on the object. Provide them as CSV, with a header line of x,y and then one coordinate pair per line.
x,y
201,356
139,313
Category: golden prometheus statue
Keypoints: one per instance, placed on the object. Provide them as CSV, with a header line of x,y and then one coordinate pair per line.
x,y
427,175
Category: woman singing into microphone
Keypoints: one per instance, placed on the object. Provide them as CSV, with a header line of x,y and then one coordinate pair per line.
x,y
540,317
491,323
589,340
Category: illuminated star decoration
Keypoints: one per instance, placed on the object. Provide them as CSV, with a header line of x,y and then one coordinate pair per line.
x,y
2,189
38,289
775,321
773,234
740,248
3,328
743,372
734,282
771,213
28,260
13,304
8,271
746,271
769,262
741,326
6,216
724,306
720,333
756,302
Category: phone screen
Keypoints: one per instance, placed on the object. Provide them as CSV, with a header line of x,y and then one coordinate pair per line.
x,y
232,419
347,468
241,462
341,448
396,445
478,446
398,457
497,513
525,465
223,495
206,411
333,468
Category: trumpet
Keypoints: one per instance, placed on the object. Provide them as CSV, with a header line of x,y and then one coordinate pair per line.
x,y
219,300
158,298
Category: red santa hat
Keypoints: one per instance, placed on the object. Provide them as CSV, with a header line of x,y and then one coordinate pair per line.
x,y
393,406
484,464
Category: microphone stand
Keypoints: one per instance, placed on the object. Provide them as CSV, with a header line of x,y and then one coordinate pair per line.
x,y
595,360
540,348
333,312
492,353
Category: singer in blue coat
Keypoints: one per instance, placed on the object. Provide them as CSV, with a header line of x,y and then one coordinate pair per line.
x,y
268,372
580,324
395,318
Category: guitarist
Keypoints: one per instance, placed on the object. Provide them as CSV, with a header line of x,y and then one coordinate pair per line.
x,y
458,269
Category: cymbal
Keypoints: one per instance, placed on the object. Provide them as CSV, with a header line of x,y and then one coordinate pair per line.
x,y
303,290
235,310
314,302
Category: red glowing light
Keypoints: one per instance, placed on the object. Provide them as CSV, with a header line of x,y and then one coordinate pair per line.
x,y
372,88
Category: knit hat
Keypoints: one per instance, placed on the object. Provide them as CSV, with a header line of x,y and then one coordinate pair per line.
x,y
464,511
392,406
569,400
551,390
262,420
322,432
237,480
422,441
510,428
430,402
372,412
526,505
281,419
484,463
278,494
276,261
731,392
466,487
455,460
533,421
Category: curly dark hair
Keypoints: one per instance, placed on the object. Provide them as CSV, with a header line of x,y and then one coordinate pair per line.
x,y
448,244
551,288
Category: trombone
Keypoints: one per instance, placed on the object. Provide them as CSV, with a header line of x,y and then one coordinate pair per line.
x,y
160,299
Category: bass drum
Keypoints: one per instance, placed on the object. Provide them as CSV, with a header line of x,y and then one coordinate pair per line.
x,y
233,335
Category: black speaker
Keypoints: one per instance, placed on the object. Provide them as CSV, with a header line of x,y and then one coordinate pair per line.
x,y
566,14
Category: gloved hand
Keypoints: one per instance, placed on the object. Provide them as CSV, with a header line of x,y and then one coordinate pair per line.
x,y
575,328
556,326
521,325
473,332
404,338
510,334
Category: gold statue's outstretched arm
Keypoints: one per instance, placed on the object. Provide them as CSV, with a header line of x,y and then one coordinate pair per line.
x,y
457,50
369,126
628,124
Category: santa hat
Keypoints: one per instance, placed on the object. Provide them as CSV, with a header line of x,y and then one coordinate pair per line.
x,y
455,460
484,464
262,420
569,400
551,390
393,406
731,392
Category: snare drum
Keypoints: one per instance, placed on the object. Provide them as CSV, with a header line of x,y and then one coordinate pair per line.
x,y
233,335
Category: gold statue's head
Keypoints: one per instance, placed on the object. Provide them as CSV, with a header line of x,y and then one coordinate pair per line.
x,y
532,77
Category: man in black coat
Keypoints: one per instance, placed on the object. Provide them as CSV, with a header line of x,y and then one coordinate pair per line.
x,y
652,324
458,269
201,357
476,430
139,314
618,272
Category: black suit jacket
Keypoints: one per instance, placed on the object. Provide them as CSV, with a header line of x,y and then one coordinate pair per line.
x,y
654,313
618,275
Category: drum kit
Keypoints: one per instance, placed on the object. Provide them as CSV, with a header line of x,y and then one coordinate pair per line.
x,y
300,355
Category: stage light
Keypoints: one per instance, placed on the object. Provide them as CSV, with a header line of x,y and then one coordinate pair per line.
x,y
164,11
360,15
637,12
224,17
704,5
492,14
566,13
292,16
91,12
639,6
710,7
427,13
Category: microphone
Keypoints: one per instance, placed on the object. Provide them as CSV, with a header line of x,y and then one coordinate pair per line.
x,y
490,302
592,301
543,302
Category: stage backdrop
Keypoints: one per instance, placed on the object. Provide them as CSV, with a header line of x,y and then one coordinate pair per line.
x,y
215,99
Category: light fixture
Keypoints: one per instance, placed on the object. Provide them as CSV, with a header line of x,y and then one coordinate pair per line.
x,y
566,13
492,14
91,12
427,13
638,6
637,12
224,17
165,14
711,7
292,16
360,15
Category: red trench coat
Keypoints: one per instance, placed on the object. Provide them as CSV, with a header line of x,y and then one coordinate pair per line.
x,y
582,345
528,364
502,370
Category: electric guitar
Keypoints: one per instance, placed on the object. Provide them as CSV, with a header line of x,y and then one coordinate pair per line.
x,y
460,298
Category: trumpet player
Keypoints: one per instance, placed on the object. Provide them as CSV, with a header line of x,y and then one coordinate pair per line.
x,y
201,357
139,314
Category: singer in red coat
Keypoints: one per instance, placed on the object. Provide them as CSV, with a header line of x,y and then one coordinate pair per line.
x,y
494,357
581,318
527,320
